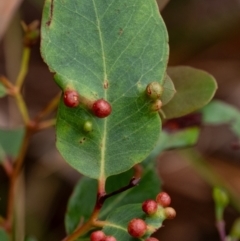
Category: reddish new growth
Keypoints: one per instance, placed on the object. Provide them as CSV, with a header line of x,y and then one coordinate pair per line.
x,y
151,239
163,199
137,228
71,98
149,207
97,236
101,108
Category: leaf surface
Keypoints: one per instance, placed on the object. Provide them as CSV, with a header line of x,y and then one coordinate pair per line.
x,y
10,142
178,139
195,88
168,90
82,201
3,91
219,113
3,235
118,220
107,49
30,239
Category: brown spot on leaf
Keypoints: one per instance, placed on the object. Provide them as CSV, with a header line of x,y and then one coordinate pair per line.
x,y
82,140
120,31
51,14
105,85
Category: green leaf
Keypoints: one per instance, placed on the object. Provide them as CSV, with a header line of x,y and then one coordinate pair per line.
x,y
178,139
221,200
107,49
219,113
235,230
30,239
195,88
82,201
171,140
148,188
168,90
3,91
10,142
118,220
3,235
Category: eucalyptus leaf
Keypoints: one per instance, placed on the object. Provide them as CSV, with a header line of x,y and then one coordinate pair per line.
x,y
179,139
172,140
219,113
195,88
168,90
3,235
3,91
10,142
82,201
113,51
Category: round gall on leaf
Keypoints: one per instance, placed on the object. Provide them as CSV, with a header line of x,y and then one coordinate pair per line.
x,y
137,228
101,108
110,238
71,98
149,207
151,239
157,105
97,236
154,90
170,213
163,199
87,126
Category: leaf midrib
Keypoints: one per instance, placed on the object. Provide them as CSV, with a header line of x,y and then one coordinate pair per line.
x,y
103,144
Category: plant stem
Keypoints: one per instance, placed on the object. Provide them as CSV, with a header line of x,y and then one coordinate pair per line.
x,y
209,174
6,83
24,67
46,124
51,106
92,222
14,176
133,182
22,107
101,198
221,229
8,167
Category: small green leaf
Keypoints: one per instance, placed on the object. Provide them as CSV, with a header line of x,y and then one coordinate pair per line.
x,y
171,140
221,200
82,201
3,91
179,139
113,51
168,90
3,235
118,220
219,113
195,88
30,239
235,230
10,142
